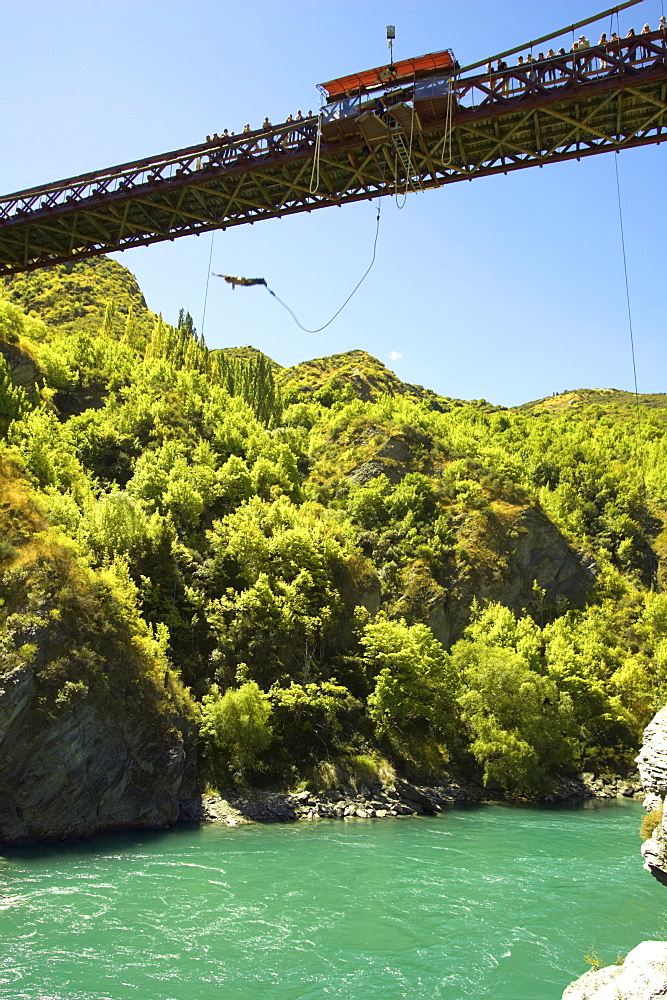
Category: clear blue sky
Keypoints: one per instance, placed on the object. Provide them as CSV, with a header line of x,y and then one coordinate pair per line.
x,y
507,288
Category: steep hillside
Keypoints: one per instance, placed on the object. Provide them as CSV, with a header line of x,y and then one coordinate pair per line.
x,y
341,568
615,402
73,297
355,375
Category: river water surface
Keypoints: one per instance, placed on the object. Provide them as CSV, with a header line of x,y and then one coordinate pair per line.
x,y
493,902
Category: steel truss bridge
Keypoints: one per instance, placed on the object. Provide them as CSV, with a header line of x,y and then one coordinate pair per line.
x,y
431,133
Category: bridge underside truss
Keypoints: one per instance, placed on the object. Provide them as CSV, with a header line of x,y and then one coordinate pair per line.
x,y
564,109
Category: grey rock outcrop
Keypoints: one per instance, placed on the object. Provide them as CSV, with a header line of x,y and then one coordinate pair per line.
x,y
540,553
642,976
652,763
89,767
23,368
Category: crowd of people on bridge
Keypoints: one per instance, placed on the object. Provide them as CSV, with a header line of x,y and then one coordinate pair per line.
x,y
546,67
228,136
543,68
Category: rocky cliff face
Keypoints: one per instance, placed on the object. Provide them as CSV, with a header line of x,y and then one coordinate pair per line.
x,y
84,767
95,732
652,761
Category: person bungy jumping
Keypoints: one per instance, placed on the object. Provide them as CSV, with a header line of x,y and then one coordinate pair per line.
x,y
232,280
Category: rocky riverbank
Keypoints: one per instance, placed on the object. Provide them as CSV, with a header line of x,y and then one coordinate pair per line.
x,y
381,801
642,975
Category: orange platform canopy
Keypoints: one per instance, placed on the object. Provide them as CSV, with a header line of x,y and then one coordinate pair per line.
x,y
385,76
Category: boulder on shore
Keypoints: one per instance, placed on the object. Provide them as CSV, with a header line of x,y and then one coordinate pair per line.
x,y
642,976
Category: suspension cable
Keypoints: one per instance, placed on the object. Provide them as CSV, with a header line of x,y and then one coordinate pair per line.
x,y
210,253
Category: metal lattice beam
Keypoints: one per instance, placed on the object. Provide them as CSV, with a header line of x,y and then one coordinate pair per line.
x,y
565,108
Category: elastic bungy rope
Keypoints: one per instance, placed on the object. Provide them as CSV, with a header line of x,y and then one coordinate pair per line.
x,y
408,179
449,120
352,293
316,158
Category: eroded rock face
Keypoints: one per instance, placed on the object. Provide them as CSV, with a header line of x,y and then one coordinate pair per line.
x,y
652,763
642,976
87,768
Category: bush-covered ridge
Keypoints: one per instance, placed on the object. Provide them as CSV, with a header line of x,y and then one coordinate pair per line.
x,y
335,563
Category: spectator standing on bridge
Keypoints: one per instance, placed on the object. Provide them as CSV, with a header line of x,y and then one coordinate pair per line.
x,y
631,50
530,63
602,62
646,30
502,67
662,23
584,56
266,123
551,69
227,149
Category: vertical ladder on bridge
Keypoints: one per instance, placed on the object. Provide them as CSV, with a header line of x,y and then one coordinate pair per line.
x,y
405,159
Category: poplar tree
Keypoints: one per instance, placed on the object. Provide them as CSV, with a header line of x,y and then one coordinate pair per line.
x,y
13,401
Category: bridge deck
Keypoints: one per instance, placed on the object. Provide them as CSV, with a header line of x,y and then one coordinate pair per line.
x,y
568,107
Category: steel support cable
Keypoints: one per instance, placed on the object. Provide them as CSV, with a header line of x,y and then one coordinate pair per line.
x,y
208,280
210,257
639,450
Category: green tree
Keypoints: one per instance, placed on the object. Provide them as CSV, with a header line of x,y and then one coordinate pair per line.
x,y
236,730
520,725
416,682
13,401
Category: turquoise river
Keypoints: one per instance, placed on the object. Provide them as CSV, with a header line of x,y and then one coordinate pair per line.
x,y
493,902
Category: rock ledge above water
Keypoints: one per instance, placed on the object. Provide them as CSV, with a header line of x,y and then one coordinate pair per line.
x,y
642,976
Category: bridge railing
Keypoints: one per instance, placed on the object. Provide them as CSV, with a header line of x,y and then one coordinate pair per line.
x,y
488,91
599,62
240,150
